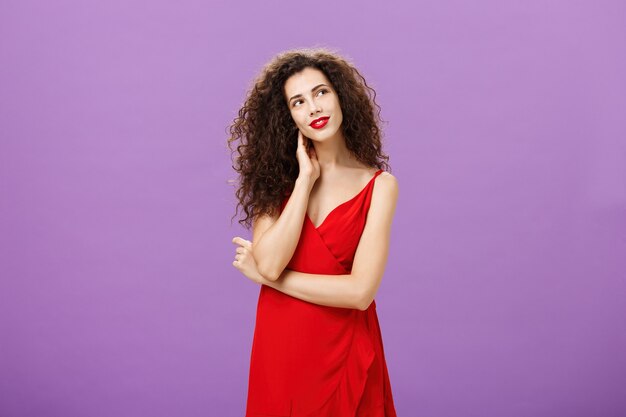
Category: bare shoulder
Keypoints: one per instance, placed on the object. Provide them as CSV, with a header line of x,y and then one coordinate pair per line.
x,y
387,185
384,197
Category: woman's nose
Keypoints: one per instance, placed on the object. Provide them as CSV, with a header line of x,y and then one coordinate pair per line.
x,y
315,108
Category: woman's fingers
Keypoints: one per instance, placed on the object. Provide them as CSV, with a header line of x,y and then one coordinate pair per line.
x,y
304,144
243,242
300,139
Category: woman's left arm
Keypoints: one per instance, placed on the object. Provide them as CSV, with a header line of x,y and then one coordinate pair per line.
x,y
357,289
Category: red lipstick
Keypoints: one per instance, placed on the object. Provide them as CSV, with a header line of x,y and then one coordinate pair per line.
x,y
319,122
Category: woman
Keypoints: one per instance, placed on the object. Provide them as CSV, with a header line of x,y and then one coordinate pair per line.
x,y
321,229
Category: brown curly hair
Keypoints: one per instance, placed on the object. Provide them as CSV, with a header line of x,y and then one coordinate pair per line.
x,y
267,162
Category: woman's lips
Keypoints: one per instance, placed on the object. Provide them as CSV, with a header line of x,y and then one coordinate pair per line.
x,y
320,124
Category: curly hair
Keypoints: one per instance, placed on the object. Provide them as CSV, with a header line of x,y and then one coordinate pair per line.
x,y
267,134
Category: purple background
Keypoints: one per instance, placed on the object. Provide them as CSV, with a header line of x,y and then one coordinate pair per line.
x,y
505,289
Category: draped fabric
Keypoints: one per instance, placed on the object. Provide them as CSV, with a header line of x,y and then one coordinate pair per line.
x,y
310,360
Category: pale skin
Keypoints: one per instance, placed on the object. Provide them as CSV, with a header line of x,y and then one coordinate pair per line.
x,y
329,175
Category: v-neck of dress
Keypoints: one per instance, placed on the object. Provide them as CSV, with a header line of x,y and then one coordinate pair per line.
x,y
342,204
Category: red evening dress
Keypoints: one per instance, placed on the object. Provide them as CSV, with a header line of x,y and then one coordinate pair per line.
x,y
310,360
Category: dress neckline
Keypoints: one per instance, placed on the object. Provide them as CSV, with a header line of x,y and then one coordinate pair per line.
x,y
342,204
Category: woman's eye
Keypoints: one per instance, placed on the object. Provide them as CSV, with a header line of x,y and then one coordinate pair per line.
x,y
295,103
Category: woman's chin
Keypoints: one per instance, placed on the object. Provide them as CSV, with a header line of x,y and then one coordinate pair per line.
x,y
322,134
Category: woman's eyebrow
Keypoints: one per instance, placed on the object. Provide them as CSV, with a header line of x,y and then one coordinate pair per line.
x,y
300,95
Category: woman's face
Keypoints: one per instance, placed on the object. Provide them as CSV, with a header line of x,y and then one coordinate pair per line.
x,y
310,96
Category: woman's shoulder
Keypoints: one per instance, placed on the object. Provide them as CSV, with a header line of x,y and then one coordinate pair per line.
x,y
388,176
368,171
384,199
385,178
388,182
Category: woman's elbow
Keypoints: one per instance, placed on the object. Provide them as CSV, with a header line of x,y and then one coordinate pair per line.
x,y
363,306
268,273
363,301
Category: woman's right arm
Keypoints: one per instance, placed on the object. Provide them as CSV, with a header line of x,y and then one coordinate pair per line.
x,y
274,239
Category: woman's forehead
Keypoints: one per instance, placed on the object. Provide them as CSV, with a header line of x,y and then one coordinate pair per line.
x,y
303,81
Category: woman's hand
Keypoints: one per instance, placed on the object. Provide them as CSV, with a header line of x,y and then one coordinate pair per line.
x,y
307,160
245,262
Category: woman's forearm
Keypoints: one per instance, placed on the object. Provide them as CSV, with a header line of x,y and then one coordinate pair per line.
x,y
327,290
277,245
